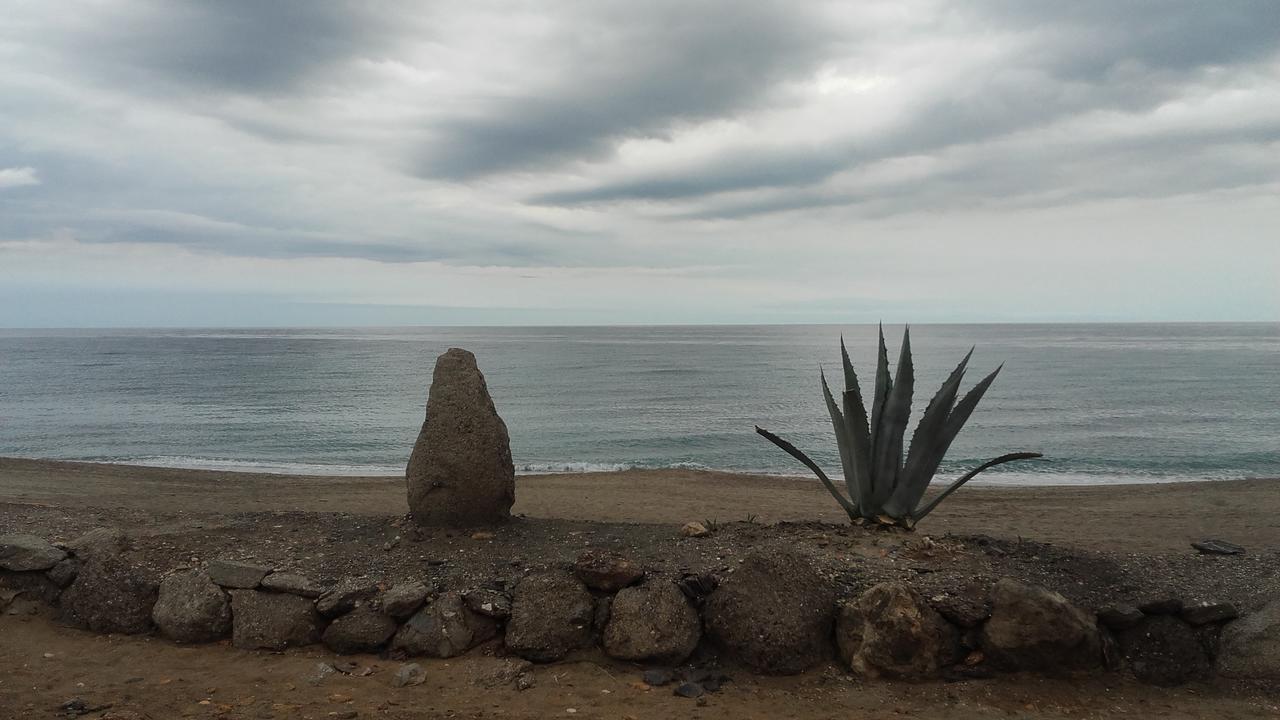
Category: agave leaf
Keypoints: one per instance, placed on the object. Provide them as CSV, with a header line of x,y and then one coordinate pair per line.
x,y
839,424
804,459
859,450
918,516
887,453
883,384
928,445
963,409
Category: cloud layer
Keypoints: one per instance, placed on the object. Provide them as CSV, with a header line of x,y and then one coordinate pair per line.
x,y
763,160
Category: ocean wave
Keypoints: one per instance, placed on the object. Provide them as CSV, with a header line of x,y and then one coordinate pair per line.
x,y
270,467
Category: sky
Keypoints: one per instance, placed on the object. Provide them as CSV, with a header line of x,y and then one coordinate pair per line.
x,y
316,162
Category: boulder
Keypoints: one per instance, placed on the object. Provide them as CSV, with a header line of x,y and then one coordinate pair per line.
x,y
490,603
445,628
551,615
363,630
967,607
1163,650
22,553
460,472
774,613
191,608
606,571
64,573
293,584
344,597
99,541
653,622
892,631
1032,628
403,599
1250,646
110,595
34,585
237,575
272,621
1120,617
1207,613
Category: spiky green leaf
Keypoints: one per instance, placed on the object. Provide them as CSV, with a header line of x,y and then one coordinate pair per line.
x,y
839,424
918,516
884,383
887,453
859,443
807,462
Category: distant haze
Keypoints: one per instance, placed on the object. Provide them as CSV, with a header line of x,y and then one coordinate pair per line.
x,y
316,162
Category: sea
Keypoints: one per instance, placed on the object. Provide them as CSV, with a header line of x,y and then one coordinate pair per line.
x,y
1105,403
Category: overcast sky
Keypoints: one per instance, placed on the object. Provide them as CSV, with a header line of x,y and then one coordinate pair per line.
x,y
239,162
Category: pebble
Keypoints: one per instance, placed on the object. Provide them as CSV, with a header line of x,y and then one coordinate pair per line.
x,y
688,690
408,675
657,677
1217,547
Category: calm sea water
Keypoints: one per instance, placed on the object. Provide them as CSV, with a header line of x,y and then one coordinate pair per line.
x,y
1105,403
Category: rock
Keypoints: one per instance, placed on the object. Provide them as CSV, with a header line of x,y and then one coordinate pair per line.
x,y
551,615
694,530
774,613
526,681
1163,650
363,630
1217,547
445,628
237,575
32,584
658,677
606,571
604,609
500,673
322,671
191,608
460,472
490,603
64,573
100,541
408,675
272,621
1206,613
891,631
1162,606
1250,646
293,584
21,553
1120,617
967,610
688,690
1032,628
344,597
109,595
403,599
697,587
652,622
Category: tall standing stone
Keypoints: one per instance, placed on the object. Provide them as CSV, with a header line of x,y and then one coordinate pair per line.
x,y
460,472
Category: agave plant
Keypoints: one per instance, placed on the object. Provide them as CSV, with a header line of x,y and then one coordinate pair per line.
x,y
883,486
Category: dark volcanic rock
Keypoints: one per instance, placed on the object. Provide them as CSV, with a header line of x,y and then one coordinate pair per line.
x,y
292,583
33,584
344,597
362,630
460,472
551,615
774,613
891,631
100,541
192,608
1032,628
64,573
272,621
1162,606
237,575
21,553
490,603
445,628
968,608
652,622
1163,650
1120,617
1206,613
606,571
404,599
1250,646
1217,547
110,595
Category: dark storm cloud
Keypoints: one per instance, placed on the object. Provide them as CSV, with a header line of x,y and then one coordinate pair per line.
x,y
643,69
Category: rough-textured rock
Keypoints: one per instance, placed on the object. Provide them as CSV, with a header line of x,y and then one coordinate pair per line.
x,y
363,630
694,530
891,631
100,541
292,583
404,599
1032,628
344,597
1162,606
551,615
1120,617
1163,650
21,553
967,608
504,672
408,675
490,603
1250,646
272,621
606,571
1207,613
652,622
31,584
192,608
64,573
460,472
445,628
774,613
237,575
1217,547
110,595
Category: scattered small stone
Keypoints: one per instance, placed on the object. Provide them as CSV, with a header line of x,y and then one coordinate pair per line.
x,y
321,672
232,574
1120,617
1162,606
658,677
293,584
525,681
344,714
688,690
482,535
1217,547
408,675
694,530
1206,613
76,707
